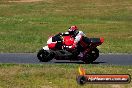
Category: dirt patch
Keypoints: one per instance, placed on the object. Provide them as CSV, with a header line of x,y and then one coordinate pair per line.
x,y
130,37
31,1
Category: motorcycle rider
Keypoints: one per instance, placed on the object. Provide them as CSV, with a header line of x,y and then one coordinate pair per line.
x,y
74,31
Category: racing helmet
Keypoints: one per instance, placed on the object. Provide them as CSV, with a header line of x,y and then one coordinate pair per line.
x,y
73,30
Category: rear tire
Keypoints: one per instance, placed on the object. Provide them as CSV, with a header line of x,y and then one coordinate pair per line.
x,y
44,56
95,54
92,56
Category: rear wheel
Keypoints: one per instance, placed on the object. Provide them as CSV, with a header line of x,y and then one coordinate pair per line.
x,y
92,56
44,56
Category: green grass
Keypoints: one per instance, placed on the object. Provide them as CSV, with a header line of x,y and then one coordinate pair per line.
x,y
25,27
56,75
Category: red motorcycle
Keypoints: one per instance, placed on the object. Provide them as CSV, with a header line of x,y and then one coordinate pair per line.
x,y
61,49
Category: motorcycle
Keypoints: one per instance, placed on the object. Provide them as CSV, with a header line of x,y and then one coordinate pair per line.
x,y
61,49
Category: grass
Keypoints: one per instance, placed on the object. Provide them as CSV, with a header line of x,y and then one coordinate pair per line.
x,y
55,76
25,27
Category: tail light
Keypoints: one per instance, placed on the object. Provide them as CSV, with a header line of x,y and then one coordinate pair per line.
x,y
101,39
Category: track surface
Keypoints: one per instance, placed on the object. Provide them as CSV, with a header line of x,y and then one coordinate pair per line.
x,y
30,58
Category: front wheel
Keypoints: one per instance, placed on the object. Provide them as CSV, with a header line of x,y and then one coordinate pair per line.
x,y
44,56
91,56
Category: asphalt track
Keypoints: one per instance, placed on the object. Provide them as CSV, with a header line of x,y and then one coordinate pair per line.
x,y
30,58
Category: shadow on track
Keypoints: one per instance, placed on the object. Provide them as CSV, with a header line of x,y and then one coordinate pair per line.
x,y
78,62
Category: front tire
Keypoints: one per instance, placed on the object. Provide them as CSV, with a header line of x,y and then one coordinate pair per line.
x,y
44,56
